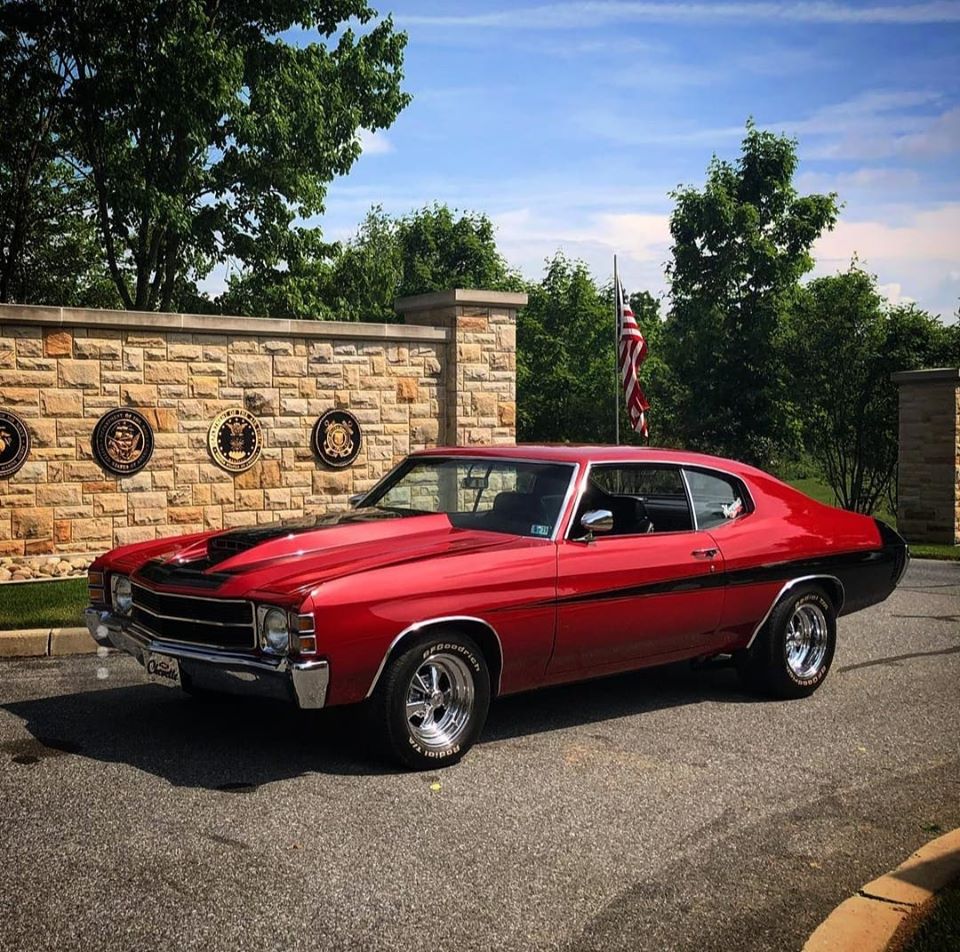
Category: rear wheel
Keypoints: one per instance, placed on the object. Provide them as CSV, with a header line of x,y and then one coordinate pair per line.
x,y
792,653
432,701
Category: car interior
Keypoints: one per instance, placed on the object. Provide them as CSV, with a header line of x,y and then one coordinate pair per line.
x,y
642,499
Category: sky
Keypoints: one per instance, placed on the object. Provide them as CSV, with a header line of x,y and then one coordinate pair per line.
x,y
569,123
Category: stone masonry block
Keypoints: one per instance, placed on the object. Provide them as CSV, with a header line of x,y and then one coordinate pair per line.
x,y
80,374
250,371
61,403
58,342
31,524
165,372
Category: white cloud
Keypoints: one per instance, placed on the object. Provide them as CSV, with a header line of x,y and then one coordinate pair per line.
x,y
527,237
940,137
926,235
578,15
912,252
374,143
870,126
893,292
868,179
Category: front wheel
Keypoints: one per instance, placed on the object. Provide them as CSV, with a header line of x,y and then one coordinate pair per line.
x,y
793,652
432,701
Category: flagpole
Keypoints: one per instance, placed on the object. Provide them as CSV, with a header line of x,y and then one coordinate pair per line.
x,y
616,350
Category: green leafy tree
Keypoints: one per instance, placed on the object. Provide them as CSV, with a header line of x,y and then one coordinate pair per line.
x,y
565,361
843,341
49,252
431,249
202,133
440,250
297,286
740,246
566,358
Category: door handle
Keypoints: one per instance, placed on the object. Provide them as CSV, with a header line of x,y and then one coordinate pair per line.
x,y
704,553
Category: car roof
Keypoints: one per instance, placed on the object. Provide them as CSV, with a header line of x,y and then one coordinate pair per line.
x,y
586,453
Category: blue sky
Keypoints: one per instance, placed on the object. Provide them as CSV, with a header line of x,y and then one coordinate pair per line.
x,y
569,122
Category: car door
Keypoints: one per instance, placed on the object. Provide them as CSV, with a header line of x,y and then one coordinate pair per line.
x,y
652,587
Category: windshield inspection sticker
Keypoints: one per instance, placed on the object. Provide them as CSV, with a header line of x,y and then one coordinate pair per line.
x,y
539,530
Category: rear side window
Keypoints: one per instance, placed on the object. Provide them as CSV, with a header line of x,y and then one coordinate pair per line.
x,y
716,498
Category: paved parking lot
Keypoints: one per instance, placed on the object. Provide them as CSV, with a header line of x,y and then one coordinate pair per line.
x,y
657,810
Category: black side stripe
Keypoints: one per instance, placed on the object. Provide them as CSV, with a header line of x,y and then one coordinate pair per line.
x,y
775,572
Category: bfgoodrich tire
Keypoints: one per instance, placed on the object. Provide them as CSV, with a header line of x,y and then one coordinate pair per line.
x,y
432,701
792,653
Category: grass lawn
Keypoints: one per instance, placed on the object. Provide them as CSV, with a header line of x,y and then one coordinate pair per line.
x,y
43,604
941,930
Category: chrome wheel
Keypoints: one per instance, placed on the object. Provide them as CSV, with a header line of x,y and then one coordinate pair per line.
x,y
807,638
440,699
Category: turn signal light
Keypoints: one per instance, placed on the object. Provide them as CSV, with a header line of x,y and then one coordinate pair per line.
x,y
303,640
95,585
305,644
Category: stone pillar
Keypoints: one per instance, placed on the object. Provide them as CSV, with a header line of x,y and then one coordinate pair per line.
x,y
929,470
481,367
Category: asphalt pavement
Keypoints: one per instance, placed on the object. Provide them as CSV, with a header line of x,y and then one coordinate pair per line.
x,y
659,810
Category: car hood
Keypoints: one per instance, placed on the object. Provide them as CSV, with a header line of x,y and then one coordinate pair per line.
x,y
292,557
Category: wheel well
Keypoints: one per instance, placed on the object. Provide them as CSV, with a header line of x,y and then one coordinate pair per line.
x,y
486,638
833,589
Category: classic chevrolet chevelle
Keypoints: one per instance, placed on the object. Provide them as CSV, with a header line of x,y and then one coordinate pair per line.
x,y
466,574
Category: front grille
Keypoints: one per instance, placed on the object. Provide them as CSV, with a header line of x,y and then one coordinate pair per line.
x,y
221,623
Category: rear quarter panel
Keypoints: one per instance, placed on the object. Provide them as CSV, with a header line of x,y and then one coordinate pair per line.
x,y
789,535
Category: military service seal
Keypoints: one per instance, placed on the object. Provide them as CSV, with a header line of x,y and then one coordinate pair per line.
x,y
122,442
14,444
235,439
336,438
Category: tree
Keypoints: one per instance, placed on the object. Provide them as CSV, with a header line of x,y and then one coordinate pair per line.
x,y
203,133
566,360
842,344
49,251
740,246
431,249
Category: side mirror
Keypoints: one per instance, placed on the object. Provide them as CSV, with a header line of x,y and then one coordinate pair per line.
x,y
354,499
596,520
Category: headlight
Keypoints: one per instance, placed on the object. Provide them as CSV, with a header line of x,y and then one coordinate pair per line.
x,y
274,631
121,594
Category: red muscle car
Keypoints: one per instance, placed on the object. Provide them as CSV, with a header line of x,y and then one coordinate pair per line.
x,y
469,573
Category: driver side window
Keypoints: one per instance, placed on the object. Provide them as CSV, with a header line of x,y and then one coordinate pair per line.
x,y
644,498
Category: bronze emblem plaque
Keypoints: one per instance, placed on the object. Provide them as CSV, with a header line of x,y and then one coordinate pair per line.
x,y
122,442
235,439
336,438
14,444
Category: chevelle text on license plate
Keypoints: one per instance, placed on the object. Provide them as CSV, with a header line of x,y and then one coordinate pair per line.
x,y
162,669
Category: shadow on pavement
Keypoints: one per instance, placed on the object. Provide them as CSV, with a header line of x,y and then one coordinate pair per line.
x,y
237,744
621,695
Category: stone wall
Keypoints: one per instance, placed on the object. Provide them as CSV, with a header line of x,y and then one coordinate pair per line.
x,y
446,376
929,466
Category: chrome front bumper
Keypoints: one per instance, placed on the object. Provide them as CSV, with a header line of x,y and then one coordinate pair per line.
x,y
303,682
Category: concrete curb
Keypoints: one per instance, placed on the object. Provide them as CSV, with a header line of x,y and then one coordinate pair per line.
x,y
883,914
46,643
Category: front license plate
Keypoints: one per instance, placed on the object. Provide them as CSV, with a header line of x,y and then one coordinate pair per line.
x,y
162,669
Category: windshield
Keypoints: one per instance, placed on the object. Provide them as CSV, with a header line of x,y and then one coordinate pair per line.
x,y
522,498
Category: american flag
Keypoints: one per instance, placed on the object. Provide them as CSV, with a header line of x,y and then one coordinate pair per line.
x,y
632,352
